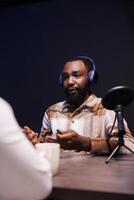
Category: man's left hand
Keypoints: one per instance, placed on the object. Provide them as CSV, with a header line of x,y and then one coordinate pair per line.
x,y
71,140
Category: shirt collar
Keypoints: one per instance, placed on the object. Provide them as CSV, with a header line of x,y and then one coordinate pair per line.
x,y
92,103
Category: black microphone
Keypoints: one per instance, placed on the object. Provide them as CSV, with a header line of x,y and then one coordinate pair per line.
x,y
117,96
116,99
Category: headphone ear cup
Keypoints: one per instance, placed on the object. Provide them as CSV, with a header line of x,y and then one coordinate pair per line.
x,y
93,77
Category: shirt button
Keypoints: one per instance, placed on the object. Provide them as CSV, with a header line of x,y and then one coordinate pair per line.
x,y
72,121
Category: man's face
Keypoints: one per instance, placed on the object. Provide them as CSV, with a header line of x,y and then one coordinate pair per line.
x,y
75,81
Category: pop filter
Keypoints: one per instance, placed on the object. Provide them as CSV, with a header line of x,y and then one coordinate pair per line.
x,y
119,95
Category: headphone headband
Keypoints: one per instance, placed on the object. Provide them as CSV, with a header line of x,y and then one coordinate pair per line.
x,y
89,60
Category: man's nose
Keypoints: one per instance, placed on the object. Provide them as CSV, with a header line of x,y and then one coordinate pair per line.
x,y
71,80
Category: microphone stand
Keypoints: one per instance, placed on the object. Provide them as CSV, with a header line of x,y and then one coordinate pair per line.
x,y
121,132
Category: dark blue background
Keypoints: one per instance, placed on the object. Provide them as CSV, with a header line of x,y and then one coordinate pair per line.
x,y
36,38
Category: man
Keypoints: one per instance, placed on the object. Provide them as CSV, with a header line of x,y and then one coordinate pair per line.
x,y
24,174
81,122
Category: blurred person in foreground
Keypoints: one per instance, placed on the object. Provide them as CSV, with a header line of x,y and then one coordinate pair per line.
x,y
24,174
80,122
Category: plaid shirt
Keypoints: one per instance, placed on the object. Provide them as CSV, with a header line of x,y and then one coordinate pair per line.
x,y
90,119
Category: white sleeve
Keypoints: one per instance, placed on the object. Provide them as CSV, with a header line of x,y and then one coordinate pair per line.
x,y
109,121
23,173
45,122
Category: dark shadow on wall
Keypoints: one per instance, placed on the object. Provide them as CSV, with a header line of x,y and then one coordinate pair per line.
x,y
9,3
36,38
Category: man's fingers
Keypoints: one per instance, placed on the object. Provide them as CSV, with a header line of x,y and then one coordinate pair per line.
x,y
63,132
67,135
50,139
60,132
26,127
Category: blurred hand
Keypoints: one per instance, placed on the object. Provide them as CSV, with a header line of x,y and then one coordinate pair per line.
x,y
50,139
31,135
46,132
46,136
73,141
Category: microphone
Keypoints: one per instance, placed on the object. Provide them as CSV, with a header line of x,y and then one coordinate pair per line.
x,y
117,96
116,99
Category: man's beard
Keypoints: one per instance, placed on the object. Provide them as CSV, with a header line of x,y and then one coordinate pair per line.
x,y
77,98
72,99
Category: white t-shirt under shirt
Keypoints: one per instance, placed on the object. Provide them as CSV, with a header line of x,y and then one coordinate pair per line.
x,y
24,174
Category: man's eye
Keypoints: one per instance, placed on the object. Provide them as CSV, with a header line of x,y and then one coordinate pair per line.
x,y
65,76
76,75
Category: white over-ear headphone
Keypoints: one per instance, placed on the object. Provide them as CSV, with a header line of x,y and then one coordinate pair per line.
x,y
92,75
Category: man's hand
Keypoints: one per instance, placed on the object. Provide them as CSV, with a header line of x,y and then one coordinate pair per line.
x,y
35,138
50,139
73,141
46,136
31,135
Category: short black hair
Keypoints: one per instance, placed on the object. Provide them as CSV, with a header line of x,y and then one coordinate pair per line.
x,y
86,62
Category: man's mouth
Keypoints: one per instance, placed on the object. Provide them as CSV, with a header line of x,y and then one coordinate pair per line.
x,y
72,90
